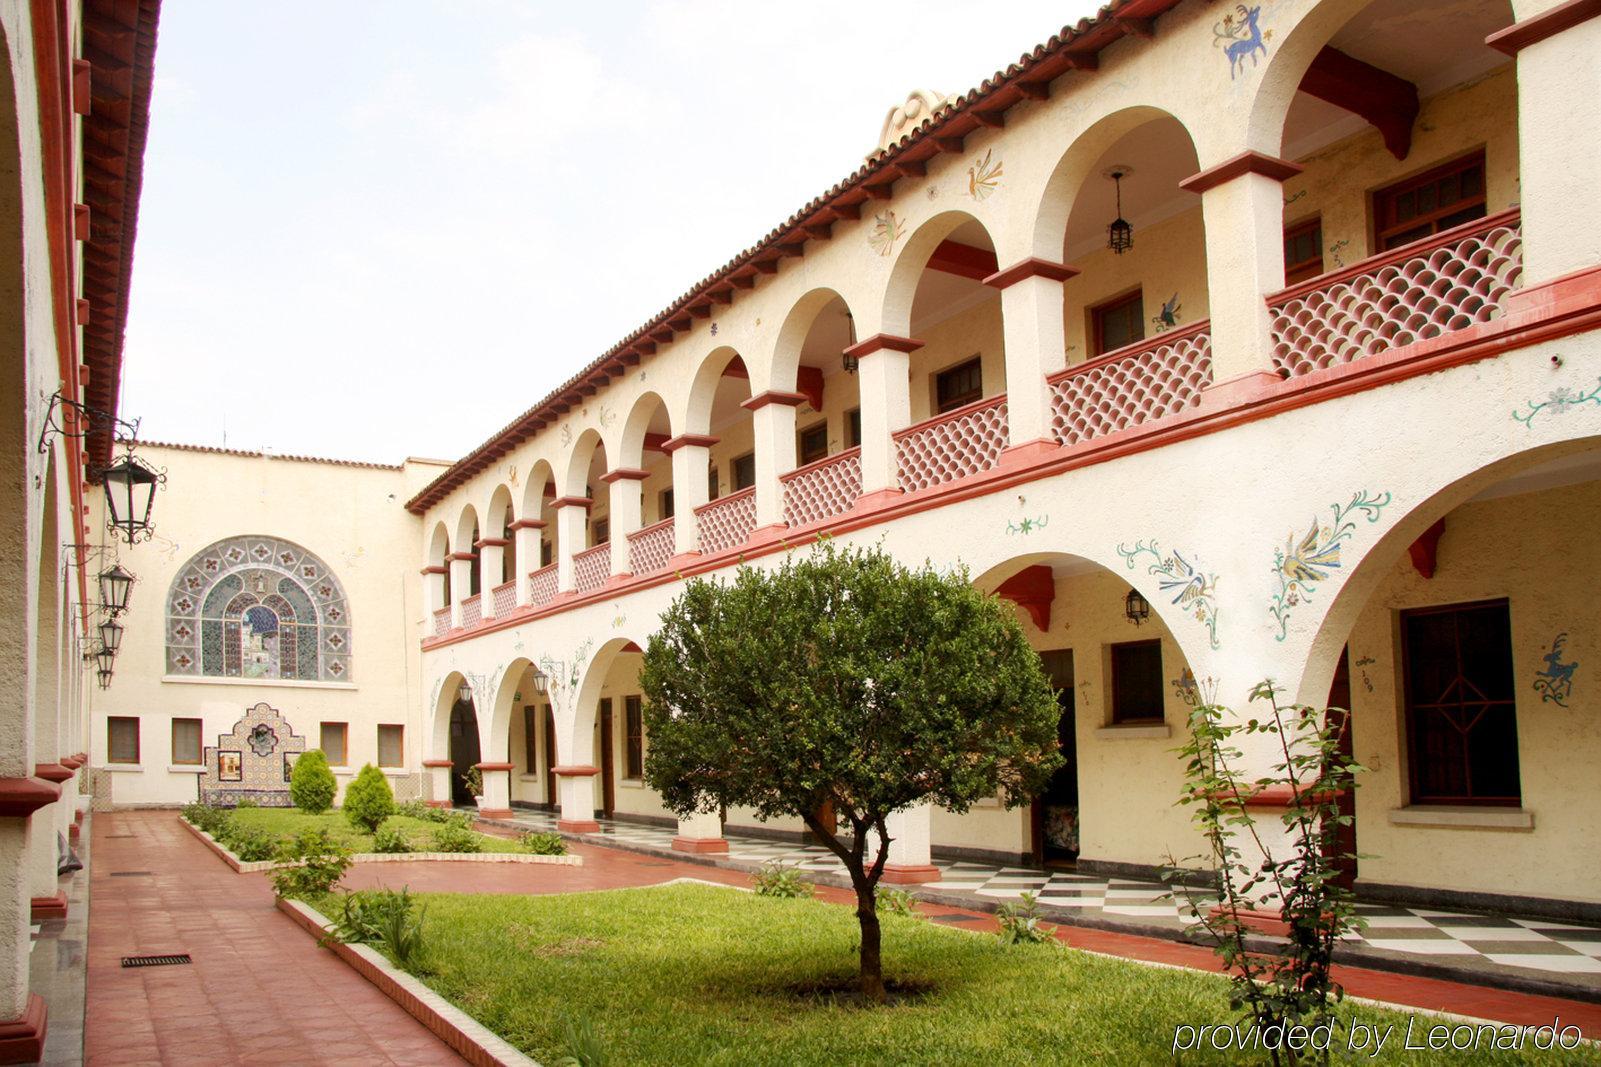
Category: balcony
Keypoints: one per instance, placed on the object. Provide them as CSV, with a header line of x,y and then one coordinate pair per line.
x,y
727,522
957,444
441,621
822,489
505,597
1160,376
542,586
1458,278
650,549
592,567
472,611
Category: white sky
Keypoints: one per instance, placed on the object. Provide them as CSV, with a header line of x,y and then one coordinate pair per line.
x,y
379,229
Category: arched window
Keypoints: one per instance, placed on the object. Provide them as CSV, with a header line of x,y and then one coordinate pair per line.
x,y
258,607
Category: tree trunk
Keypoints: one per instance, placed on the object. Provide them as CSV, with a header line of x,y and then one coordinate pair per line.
x,y
872,973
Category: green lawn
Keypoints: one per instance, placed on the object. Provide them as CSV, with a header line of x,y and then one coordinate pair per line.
x,y
696,974
285,823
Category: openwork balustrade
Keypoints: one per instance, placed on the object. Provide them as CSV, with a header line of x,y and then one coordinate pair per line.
x,y
953,445
441,621
1157,377
726,522
1444,283
542,586
505,597
591,567
650,549
822,489
472,610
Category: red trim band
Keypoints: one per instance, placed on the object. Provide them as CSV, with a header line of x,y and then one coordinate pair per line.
x,y
21,797
1244,163
685,440
577,770
460,557
437,763
625,474
1521,35
495,766
883,340
774,396
491,542
1032,267
52,772
572,502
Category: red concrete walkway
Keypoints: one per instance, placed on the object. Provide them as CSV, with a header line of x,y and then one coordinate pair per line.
x,y
259,991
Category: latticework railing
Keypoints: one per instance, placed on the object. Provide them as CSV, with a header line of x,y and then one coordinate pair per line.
x,y
542,585
441,621
726,522
591,567
822,489
1145,381
472,610
650,549
505,597
953,445
1448,282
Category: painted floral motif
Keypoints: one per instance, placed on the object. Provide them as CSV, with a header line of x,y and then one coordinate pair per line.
x,y
1192,589
1557,402
1240,37
984,177
1555,682
887,229
1027,525
1301,564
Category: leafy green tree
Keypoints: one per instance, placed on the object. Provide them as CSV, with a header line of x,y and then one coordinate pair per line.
x,y
368,799
311,785
844,678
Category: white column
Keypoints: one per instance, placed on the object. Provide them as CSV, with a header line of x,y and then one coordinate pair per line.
x,y
884,378
1242,206
627,512
433,593
1558,81
438,771
1036,344
909,837
461,580
497,790
773,421
528,533
576,794
15,1001
572,535
700,832
491,561
691,453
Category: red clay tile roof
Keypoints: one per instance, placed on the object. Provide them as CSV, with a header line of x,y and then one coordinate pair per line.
x,y
1074,48
214,450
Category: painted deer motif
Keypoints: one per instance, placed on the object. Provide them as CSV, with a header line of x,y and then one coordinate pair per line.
x,y
1243,35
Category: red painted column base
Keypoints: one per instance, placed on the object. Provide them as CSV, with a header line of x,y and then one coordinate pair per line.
x,y
700,844
578,826
22,1040
494,813
895,874
52,907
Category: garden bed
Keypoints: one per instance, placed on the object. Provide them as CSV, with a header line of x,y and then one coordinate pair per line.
x,y
697,974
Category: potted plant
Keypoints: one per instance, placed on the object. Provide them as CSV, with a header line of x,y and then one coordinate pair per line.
x,y
474,781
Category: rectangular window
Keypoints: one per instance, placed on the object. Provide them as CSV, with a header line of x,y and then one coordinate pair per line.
x,y
1462,726
391,745
530,739
1427,203
600,531
811,444
333,743
185,741
743,470
1117,323
1137,682
544,553
853,428
959,386
664,504
633,713
1303,251
122,739
711,483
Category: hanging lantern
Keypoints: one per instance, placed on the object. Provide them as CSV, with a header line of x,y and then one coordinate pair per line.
x,y
1119,235
130,491
105,678
111,635
115,585
850,360
1136,608
464,694
541,683
104,657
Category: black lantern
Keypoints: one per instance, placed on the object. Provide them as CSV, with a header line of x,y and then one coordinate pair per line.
x,y
130,491
115,585
850,359
111,635
1136,608
104,657
105,677
1119,235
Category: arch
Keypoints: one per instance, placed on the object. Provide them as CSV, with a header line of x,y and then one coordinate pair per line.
x,y
45,696
576,724
704,388
576,482
438,545
467,529
792,335
649,411
540,475
438,746
901,291
499,514
17,435
209,635
506,688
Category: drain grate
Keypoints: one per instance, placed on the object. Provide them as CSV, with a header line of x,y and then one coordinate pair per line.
x,y
156,961
129,874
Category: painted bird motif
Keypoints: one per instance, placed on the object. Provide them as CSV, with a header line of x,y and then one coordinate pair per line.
x,y
1182,580
1301,561
1168,317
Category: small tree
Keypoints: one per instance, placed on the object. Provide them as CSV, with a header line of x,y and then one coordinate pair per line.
x,y
368,799
845,679
311,785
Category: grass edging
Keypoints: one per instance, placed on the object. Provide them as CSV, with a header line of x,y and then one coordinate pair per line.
x,y
250,866
475,1042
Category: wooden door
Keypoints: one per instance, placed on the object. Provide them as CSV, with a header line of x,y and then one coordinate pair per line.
x,y
1344,836
607,787
550,757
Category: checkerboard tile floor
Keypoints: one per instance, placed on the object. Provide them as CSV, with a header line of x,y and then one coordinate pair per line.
x,y
1464,937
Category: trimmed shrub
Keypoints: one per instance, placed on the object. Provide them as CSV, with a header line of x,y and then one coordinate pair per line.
x,y
390,839
249,843
318,864
456,838
205,817
368,799
312,786
543,844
